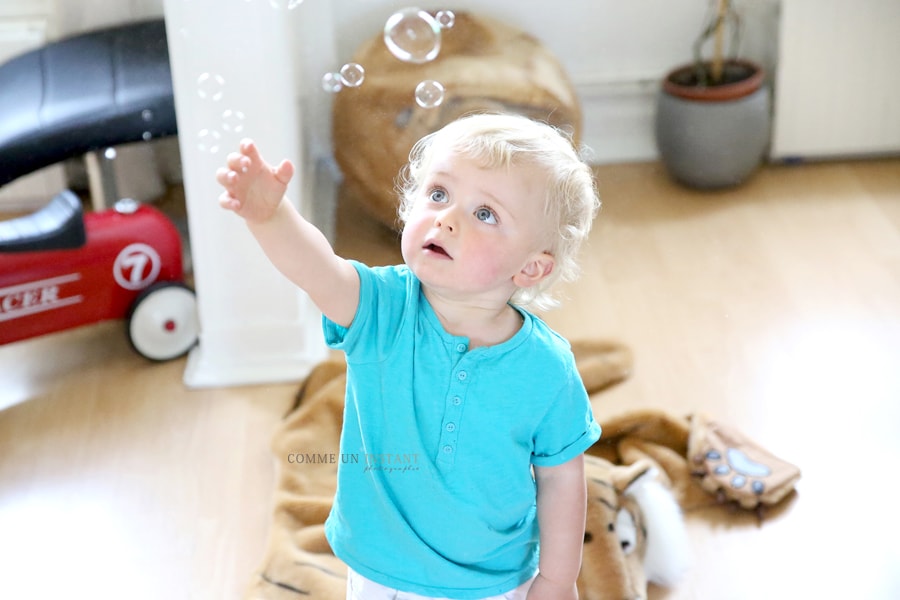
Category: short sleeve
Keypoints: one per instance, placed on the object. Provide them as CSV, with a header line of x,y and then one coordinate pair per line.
x,y
384,294
568,428
336,335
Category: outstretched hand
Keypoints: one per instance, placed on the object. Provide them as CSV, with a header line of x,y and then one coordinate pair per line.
x,y
253,188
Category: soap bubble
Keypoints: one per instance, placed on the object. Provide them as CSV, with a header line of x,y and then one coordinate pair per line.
x,y
331,83
147,115
445,18
352,74
232,121
429,94
146,136
211,87
109,153
208,140
412,35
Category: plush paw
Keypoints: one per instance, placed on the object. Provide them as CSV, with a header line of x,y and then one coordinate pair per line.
x,y
735,468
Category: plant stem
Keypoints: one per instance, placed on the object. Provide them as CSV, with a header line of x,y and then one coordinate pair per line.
x,y
719,41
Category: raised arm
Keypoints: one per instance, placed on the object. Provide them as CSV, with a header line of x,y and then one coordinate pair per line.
x,y
561,504
255,190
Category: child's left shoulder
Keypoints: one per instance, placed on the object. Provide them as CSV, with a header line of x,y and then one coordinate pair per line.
x,y
547,348
547,337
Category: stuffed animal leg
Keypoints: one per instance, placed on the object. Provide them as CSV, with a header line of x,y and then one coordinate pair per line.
x,y
702,460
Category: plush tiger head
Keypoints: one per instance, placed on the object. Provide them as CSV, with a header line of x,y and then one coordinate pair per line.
x,y
634,533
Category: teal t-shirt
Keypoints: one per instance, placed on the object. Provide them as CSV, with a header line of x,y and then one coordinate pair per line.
x,y
435,493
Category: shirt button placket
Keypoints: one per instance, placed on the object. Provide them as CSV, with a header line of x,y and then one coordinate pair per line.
x,y
453,413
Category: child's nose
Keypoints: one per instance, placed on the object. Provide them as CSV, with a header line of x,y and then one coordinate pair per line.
x,y
446,219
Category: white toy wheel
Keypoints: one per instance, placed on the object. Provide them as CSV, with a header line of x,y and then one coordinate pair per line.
x,y
162,322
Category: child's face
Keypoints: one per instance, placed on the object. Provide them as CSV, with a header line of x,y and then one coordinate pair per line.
x,y
477,232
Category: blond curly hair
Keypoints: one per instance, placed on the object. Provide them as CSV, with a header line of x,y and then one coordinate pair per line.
x,y
502,140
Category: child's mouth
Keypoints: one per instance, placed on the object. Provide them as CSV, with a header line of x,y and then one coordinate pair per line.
x,y
436,249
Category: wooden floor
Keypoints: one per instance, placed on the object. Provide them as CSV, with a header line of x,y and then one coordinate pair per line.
x,y
775,307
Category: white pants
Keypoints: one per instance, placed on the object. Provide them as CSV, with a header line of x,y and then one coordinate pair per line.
x,y
360,588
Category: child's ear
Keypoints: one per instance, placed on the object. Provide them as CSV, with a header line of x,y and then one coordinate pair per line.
x,y
535,270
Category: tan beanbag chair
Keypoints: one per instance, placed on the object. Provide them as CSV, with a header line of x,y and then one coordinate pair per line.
x,y
484,65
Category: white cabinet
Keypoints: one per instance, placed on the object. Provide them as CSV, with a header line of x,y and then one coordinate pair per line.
x,y
838,81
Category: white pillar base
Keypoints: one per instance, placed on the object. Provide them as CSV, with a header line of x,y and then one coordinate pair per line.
x,y
230,358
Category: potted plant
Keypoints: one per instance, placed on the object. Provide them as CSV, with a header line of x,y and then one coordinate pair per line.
x,y
713,115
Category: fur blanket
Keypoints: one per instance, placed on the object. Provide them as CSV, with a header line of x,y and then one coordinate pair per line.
x,y
647,467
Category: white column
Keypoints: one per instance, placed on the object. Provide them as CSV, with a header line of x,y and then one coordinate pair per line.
x,y
234,77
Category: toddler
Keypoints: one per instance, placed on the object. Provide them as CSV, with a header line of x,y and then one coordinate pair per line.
x,y
466,410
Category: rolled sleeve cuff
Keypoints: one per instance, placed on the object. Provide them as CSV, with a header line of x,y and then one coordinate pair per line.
x,y
585,441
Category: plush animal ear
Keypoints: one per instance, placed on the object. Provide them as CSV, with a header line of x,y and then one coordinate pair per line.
x,y
627,476
615,537
668,552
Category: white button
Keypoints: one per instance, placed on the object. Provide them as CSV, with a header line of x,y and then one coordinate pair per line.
x,y
456,400
448,449
462,375
451,426
460,347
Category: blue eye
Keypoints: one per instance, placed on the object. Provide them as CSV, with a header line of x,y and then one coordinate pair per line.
x,y
486,215
437,195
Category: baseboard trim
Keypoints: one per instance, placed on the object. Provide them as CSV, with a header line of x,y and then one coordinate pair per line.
x,y
618,119
254,354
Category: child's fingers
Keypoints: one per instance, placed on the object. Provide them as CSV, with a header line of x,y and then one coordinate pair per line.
x,y
249,149
284,171
229,202
237,162
225,176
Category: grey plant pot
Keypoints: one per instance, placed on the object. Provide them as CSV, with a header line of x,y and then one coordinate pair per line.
x,y
716,143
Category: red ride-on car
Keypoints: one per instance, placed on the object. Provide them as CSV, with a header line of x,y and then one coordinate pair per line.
x,y
61,268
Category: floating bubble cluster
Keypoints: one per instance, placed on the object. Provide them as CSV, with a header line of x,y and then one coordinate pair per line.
x,y
209,87
429,94
352,74
412,35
